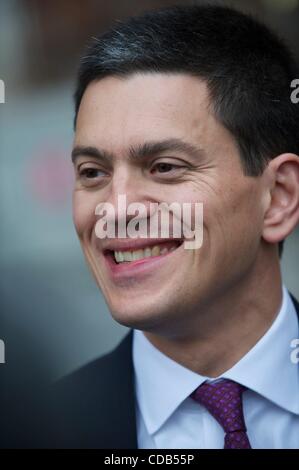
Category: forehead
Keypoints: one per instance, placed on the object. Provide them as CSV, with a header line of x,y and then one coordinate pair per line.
x,y
118,112
142,98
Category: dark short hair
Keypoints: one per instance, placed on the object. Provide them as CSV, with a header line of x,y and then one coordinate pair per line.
x,y
248,70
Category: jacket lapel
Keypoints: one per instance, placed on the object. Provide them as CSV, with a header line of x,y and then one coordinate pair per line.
x,y
295,303
120,410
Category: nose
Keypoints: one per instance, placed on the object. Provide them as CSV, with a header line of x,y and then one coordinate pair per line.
x,y
129,188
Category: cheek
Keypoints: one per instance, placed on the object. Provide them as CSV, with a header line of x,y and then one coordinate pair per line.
x,y
239,221
83,213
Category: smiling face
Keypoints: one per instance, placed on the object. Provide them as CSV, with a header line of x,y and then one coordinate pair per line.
x,y
153,138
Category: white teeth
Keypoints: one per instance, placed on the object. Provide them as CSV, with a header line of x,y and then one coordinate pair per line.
x,y
147,252
156,250
137,254
121,256
128,256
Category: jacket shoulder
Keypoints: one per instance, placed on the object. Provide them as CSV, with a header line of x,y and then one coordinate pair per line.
x,y
94,407
109,366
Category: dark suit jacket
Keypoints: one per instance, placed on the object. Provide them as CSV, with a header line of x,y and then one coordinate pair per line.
x,y
95,406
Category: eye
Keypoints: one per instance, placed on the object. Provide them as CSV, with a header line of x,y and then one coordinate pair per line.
x,y
90,173
165,167
90,176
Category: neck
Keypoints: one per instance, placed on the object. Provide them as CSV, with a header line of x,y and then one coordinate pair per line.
x,y
226,328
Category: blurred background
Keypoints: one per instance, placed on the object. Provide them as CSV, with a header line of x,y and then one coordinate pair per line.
x,y
53,317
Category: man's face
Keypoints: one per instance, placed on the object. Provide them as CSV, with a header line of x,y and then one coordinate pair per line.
x,y
118,115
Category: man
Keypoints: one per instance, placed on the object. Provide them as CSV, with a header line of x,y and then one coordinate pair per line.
x,y
187,105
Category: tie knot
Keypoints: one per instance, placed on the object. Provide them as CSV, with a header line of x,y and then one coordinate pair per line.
x,y
223,399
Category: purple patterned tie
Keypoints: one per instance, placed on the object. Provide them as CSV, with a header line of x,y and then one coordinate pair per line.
x,y
223,399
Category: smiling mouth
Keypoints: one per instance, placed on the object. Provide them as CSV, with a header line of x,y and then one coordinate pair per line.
x,y
153,251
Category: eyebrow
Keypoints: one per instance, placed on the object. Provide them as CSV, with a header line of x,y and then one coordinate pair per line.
x,y
89,151
142,151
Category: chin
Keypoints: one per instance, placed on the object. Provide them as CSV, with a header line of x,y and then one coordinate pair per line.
x,y
143,318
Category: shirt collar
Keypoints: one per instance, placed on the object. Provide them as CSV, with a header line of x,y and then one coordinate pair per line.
x,y
162,384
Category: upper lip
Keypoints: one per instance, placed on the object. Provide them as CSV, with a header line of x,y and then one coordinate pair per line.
x,y
128,244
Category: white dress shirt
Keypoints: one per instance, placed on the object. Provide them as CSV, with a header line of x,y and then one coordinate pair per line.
x,y
167,418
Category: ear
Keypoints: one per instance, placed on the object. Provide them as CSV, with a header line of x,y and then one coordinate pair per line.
x,y
282,214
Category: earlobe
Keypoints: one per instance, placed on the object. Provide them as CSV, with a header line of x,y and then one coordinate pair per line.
x,y
282,215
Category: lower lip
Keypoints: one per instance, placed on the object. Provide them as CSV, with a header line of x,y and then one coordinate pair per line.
x,y
138,268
